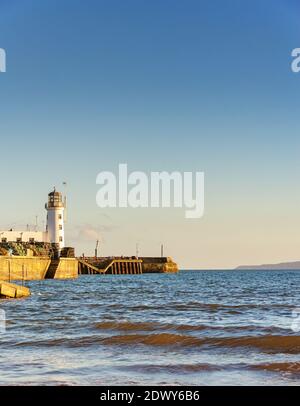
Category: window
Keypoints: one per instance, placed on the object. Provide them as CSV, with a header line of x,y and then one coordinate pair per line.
x,y
19,240
4,240
60,217
31,240
60,227
60,239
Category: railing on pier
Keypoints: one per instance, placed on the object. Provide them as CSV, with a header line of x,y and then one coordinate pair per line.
x,y
113,266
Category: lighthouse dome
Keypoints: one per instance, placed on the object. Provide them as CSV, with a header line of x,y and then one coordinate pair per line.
x,y
55,199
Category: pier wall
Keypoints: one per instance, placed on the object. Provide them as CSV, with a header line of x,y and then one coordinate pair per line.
x,y
67,269
125,265
35,268
159,265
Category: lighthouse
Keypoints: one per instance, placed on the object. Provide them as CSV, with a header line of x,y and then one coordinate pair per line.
x,y
55,219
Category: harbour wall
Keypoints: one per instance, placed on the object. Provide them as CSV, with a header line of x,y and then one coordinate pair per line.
x,y
159,265
67,269
36,268
147,265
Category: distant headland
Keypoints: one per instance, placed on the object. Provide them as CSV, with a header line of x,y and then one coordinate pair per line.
x,y
283,266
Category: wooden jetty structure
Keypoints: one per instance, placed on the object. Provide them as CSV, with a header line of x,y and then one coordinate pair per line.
x,y
13,291
110,266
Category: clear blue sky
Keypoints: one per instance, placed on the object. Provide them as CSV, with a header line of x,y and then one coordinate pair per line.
x,y
162,85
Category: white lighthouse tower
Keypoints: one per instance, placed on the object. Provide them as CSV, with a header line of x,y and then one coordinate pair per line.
x,y
55,219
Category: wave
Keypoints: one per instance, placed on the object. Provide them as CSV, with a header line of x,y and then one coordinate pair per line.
x,y
163,339
289,367
292,368
211,306
173,368
270,344
267,343
156,326
146,326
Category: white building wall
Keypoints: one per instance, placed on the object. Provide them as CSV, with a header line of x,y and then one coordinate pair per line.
x,y
25,236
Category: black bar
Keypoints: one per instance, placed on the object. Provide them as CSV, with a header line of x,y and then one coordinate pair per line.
x,y
135,395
